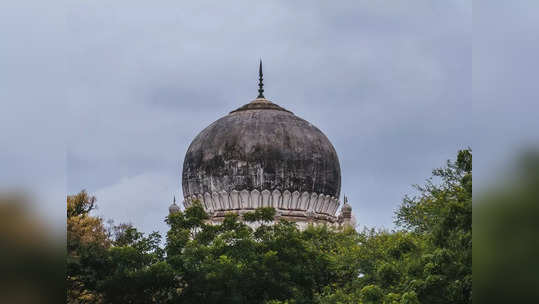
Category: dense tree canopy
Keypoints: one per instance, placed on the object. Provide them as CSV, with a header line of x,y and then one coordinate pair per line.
x,y
427,261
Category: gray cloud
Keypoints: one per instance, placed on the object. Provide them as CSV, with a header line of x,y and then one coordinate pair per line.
x,y
390,83
385,82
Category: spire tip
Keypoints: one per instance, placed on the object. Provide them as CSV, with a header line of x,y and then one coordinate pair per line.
x,y
260,83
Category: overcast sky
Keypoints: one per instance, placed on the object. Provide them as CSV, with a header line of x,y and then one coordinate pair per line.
x,y
129,84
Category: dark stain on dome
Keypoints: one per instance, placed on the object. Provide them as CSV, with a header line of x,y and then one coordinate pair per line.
x,y
261,146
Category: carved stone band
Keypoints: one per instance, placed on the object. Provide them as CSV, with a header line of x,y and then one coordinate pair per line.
x,y
286,201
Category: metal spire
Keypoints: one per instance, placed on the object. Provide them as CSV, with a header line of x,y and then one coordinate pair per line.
x,y
260,84
174,199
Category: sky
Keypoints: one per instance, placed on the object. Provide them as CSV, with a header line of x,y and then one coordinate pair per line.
x,y
107,96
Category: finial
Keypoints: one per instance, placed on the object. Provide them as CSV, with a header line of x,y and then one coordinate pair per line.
x,y
260,84
173,208
345,199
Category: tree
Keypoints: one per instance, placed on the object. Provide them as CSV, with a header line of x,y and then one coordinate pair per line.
x,y
233,263
122,266
442,214
87,244
427,261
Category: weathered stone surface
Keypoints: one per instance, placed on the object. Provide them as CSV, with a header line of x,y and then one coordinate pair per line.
x,y
313,202
287,202
255,199
262,155
245,196
208,201
215,200
266,201
261,146
294,202
223,199
276,199
324,204
235,199
304,201
286,199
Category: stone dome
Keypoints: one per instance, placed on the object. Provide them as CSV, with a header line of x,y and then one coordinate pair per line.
x,y
262,155
261,146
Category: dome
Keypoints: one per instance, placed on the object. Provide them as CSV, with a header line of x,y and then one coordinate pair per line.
x,y
261,146
262,155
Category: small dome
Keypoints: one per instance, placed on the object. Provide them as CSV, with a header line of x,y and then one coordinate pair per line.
x,y
346,209
174,208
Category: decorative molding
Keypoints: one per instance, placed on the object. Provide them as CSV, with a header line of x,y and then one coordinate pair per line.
x,y
235,199
287,196
294,201
276,199
296,204
255,199
265,198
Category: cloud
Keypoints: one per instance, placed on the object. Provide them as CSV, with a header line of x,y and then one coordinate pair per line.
x,y
108,96
142,200
386,86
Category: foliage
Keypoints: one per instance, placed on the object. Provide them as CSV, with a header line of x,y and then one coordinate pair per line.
x,y
101,268
87,243
442,214
252,260
233,263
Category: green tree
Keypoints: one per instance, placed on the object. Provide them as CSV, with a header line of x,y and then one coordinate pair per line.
x,y
137,271
251,260
442,215
428,261
118,266
231,262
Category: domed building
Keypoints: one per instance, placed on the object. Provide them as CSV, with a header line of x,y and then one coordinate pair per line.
x,y
262,155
